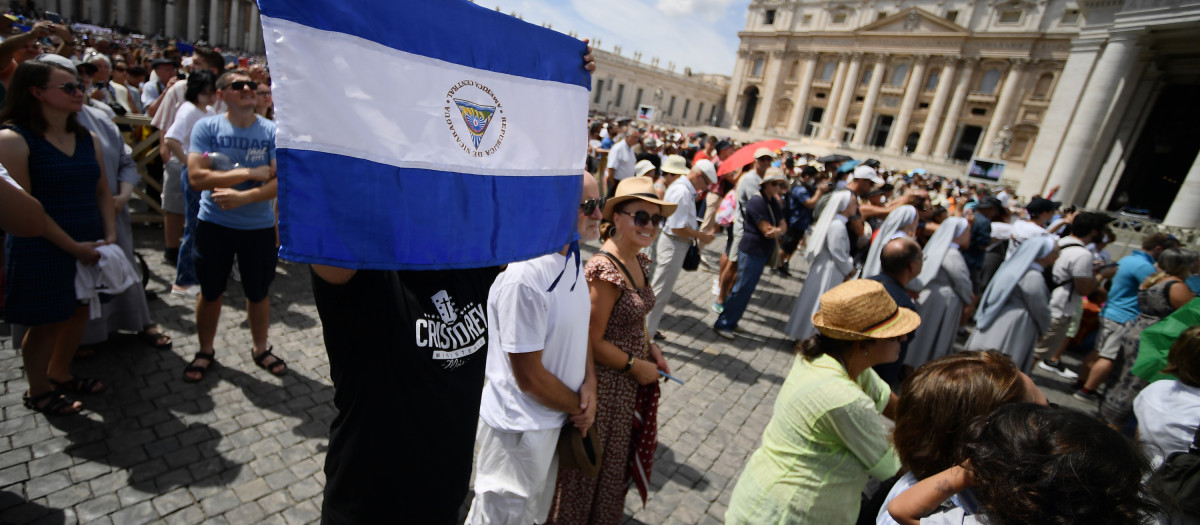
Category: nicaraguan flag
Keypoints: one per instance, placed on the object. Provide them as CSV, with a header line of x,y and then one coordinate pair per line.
x,y
423,134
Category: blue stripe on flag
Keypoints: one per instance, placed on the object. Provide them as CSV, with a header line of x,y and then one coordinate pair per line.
x,y
373,215
453,31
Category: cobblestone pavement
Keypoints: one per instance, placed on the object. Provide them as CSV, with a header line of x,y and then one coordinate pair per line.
x,y
245,447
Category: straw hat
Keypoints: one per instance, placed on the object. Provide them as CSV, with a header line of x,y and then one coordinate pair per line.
x,y
636,188
675,164
773,174
861,309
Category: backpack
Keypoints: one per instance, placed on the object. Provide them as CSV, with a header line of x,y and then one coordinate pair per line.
x,y
1179,476
1048,273
728,209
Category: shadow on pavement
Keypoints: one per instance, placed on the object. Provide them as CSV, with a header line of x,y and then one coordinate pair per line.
x,y
14,509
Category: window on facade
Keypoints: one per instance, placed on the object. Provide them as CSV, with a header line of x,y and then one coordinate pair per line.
x,y
1010,16
931,82
757,71
712,114
769,17
866,78
828,70
599,91
638,101
923,105
858,98
620,94
671,108
1041,90
687,104
821,95
952,16
979,112
699,111
987,85
1070,17
794,71
898,75
807,20
880,15
839,18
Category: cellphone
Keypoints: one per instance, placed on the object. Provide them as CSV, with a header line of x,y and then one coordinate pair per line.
x,y
53,17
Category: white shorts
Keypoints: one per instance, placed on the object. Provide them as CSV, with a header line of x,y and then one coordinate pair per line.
x,y
515,475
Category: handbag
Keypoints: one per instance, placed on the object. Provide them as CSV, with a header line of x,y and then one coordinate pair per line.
x,y
1179,476
691,260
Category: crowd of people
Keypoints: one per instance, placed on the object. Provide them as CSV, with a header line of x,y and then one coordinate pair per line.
x,y
901,267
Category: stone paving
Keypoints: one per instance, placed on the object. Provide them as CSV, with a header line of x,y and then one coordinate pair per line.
x,y
245,447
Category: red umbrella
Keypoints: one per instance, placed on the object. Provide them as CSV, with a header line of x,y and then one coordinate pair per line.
x,y
745,155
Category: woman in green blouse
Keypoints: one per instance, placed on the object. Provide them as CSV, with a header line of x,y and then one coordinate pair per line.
x,y
828,434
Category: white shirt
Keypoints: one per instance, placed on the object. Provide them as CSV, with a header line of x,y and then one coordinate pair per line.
x,y
181,130
622,160
1023,231
1072,262
4,176
523,317
1167,414
682,193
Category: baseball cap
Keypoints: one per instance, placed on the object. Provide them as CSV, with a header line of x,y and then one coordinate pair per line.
x,y
162,62
724,144
763,152
710,171
863,171
989,202
57,59
1039,205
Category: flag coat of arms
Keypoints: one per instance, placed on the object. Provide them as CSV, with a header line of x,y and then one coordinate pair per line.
x,y
423,135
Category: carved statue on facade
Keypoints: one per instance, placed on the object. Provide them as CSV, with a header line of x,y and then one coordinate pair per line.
x,y
1003,141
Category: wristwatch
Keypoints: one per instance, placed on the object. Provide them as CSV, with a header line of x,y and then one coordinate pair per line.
x,y
629,365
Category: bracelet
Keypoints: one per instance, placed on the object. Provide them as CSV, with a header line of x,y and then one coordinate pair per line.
x,y
629,365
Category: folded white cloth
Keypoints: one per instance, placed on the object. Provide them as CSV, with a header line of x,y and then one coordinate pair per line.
x,y
112,275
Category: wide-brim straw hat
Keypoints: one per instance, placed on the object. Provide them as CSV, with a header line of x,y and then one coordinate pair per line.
x,y
675,164
636,188
861,310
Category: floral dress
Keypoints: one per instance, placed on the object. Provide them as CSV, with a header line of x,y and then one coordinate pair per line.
x,y
579,499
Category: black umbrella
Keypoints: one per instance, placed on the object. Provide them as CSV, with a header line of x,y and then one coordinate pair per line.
x,y
833,158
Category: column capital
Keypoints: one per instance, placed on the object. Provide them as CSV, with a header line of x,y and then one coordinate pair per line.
x,y
805,54
778,53
1020,62
743,53
921,57
858,55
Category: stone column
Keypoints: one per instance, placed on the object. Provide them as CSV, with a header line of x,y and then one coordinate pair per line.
x,y
193,20
946,134
235,24
1063,101
1185,211
122,12
1010,96
170,20
214,23
1115,62
934,119
846,99
734,97
911,90
99,14
800,108
146,22
863,128
770,81
839,77
254,43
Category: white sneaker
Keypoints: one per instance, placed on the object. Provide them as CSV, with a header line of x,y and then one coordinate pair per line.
x,y
725,334
716,289
185,291
1058,368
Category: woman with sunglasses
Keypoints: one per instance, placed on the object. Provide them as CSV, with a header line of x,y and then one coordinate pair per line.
x,y
764,225
56,160
627,362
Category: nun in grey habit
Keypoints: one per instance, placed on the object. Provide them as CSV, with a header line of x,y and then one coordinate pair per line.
x,y
947,291
829,251
901,222
1015,308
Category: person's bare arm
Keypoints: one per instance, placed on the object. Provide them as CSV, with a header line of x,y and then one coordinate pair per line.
x,y
201,177
544,387
20,213
927,495
176,149
604,296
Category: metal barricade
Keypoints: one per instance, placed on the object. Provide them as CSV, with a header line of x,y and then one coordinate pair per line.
x,y
144,152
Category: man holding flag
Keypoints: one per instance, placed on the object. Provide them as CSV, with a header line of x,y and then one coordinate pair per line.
x,y
440,155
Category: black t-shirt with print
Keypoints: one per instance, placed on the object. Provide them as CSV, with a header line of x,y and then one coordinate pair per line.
x,y
407,353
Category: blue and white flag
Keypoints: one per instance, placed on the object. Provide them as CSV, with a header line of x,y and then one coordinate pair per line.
x,y
423,134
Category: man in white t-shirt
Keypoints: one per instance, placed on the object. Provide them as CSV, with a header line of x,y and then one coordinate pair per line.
x,y
621,159
1074,278
1041,212
539,374
679,232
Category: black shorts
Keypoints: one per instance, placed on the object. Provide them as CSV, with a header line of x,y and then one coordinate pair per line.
x,y
256,255
791,240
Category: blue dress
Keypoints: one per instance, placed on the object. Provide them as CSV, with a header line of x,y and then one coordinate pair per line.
x,y
41,276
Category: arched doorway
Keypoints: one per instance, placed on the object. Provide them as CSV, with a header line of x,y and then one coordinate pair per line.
x,y
749,106
911,142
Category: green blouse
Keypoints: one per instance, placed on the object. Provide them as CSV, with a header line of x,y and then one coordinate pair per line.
x,y
826,436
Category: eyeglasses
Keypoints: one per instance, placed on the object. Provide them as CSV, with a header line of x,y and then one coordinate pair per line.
x,y
239,85
642,219
590,205
71,87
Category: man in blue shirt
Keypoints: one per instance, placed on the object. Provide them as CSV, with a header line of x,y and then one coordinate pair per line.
x,y
1120,311
236,217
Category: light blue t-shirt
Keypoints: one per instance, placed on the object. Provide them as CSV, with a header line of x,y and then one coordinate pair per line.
x,y
1122,305
249,147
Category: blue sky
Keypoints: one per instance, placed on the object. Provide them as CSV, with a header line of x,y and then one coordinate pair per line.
x,y
701,34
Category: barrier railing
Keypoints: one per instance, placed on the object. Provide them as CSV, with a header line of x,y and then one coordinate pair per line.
x,y
144,152
1130,230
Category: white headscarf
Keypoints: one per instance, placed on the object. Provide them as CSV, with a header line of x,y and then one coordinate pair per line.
x,y
838,201
1008,276
897,220
936,249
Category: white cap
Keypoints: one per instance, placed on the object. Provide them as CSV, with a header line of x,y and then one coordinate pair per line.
x,y
763,152
869,173
710,171
643,167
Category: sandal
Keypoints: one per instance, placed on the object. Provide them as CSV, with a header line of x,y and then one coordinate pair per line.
x,y
211,357
51,403
159,339
259,360
79,385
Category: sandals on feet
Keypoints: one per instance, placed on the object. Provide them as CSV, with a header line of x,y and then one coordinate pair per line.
x,y
211,357
79,385
274,367
159,339
51,403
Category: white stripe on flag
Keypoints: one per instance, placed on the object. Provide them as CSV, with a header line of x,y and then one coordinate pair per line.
x,y
349,96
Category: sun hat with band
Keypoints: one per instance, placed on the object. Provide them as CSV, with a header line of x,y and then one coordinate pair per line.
x,y
675,164
773,175
636,188
862,310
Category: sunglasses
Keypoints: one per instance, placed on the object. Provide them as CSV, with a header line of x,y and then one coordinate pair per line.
x,y
641,219
590,205
239,85
71,87
121,69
